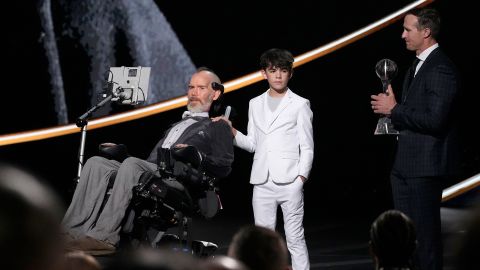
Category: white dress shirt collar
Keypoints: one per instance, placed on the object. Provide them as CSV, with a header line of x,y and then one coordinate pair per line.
x,y
194,114
423,56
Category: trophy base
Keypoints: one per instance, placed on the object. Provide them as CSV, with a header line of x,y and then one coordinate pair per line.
x,y
385,127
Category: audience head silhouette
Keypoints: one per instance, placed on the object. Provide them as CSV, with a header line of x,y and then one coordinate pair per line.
x,y
393,240
79,260
223,263
145,258
259,248
30,215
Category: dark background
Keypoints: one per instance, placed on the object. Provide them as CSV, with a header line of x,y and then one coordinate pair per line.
x,y
351,167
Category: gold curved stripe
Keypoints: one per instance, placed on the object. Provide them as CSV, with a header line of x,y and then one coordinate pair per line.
x,y
236,84
460,188
93,124
229,86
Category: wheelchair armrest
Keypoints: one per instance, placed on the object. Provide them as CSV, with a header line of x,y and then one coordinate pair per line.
x,y
187,173
188,154
113,151
202,188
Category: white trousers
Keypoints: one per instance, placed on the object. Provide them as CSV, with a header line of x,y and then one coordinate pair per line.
x,y
266,199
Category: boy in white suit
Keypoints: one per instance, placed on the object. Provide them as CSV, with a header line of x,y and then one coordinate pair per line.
x,y
281,136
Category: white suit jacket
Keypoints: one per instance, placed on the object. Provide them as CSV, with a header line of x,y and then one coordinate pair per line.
x,y
282,140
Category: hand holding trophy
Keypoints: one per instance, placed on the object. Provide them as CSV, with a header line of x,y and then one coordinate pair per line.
x,y
386,70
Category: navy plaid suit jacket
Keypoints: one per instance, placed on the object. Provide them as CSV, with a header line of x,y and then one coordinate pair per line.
x,y
425,116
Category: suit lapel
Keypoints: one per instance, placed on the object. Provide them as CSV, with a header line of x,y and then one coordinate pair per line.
x,y
407,85
192,130
260,112
410,85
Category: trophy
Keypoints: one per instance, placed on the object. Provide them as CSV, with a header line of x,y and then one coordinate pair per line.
x,y
386,70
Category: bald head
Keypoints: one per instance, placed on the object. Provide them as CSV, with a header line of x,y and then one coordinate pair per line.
x,y
208,72
202,91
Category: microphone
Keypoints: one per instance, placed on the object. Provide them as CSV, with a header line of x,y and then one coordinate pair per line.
x,y
218,86
227,111
124,95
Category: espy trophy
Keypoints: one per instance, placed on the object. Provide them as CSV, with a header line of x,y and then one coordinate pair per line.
x,y
386,70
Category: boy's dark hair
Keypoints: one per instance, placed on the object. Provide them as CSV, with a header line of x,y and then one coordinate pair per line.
x,y
278,58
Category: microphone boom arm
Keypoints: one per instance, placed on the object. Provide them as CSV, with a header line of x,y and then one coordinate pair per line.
x,y
82,122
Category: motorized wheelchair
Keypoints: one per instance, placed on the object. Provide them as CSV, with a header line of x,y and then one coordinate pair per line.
x,y
160,204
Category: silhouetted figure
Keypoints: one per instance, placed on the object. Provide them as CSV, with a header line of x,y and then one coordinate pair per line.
x,y
393,241
223,263
154,259
259,248
79,260
30,215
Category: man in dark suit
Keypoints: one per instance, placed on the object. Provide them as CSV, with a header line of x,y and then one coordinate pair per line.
x,y
96,230
427,150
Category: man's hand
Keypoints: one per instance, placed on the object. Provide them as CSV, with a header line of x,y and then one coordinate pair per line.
x,y
180,145
218,118
187,154
384,103
108,144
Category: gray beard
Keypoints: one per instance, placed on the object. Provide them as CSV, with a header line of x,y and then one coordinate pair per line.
x,y
197,109
200,107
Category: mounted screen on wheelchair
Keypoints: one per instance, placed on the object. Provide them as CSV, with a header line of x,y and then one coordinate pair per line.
x,y
129,85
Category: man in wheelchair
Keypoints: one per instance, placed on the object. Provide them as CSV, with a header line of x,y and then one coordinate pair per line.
x,y
95,227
